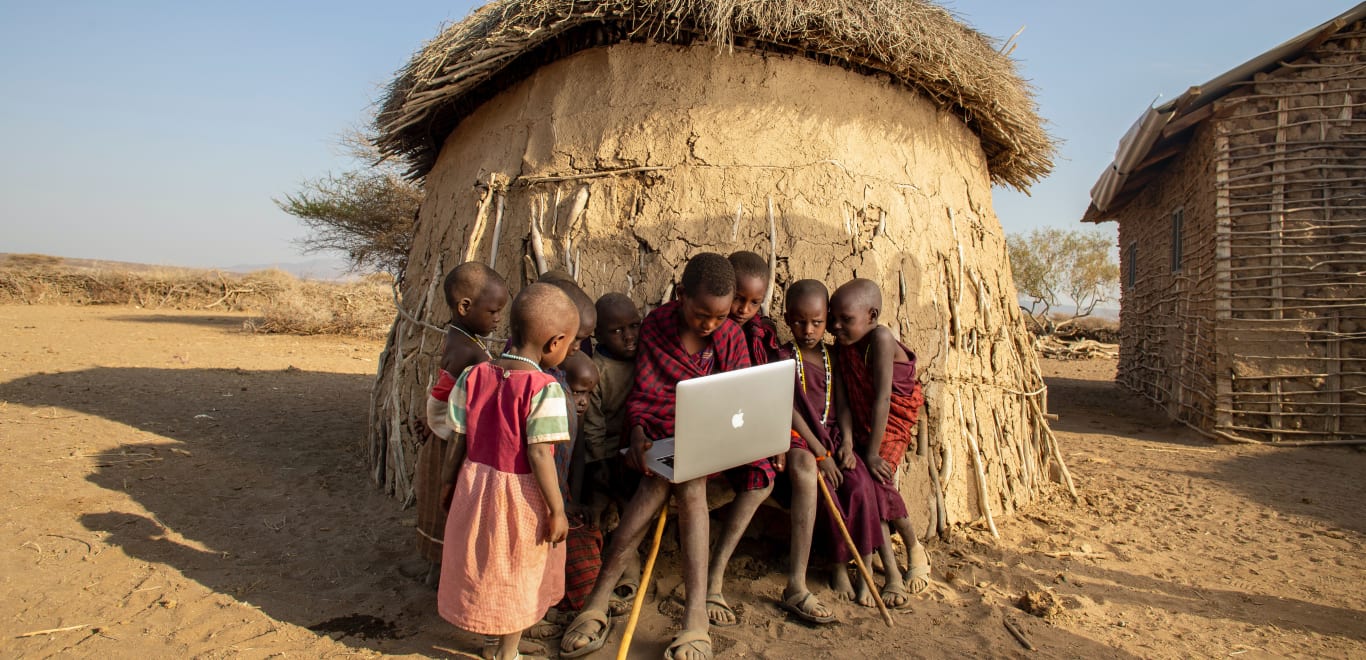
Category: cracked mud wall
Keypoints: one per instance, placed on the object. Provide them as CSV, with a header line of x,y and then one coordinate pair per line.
x,y
620,163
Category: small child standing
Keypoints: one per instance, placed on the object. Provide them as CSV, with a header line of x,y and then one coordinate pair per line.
x,y
877,373
503,563
476,296
817,398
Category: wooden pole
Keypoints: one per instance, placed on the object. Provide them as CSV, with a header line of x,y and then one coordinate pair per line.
x,y
853,550
644,583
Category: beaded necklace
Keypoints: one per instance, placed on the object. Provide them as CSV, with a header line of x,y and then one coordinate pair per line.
x,y
474,339
801,375
509,356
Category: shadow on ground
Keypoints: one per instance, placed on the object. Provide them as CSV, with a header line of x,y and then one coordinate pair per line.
x,y
262,497
223,322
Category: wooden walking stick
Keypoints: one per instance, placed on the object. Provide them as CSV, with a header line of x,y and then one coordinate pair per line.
x,y
853,550
644,584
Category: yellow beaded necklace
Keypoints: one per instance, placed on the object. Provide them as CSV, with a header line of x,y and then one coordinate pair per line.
x,y
474,339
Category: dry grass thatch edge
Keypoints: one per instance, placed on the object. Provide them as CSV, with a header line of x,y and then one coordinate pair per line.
x,y
917,43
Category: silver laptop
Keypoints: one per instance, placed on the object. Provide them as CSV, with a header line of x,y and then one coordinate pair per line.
x,y
725,420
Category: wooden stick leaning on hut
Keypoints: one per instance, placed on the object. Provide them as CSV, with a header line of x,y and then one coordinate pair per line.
x,y
983,499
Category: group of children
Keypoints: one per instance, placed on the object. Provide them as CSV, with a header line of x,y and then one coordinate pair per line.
x,y
537,449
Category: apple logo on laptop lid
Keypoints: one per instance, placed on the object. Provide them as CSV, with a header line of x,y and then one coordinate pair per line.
x,y
738,419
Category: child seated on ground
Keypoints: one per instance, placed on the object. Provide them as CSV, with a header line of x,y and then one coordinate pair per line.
x,y
753,483
476,296
687,338
584,543
606,483
504,556
584,558
816,430
877,374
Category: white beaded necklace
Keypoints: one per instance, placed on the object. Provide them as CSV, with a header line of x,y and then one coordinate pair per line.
x,y
801,375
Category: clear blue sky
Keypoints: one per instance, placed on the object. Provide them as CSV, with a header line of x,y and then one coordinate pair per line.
x,y
158,132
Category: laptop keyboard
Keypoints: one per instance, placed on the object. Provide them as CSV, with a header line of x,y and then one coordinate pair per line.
x,y
667,460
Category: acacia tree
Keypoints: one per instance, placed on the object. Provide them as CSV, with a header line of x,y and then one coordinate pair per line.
x,y
1053,266
365,213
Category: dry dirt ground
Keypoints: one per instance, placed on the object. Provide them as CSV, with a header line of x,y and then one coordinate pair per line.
x,y
175,487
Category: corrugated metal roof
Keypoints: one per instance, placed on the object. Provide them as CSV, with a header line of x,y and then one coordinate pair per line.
x,y
1163,123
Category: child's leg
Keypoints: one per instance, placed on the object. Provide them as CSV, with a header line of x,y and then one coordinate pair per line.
x,y
894,589
801,469
507,646
919,562
742,510
635,520
862,592
695,529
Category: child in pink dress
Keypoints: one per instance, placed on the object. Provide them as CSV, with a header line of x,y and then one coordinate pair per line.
x,y
504,553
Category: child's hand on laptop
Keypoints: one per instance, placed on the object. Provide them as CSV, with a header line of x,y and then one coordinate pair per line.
x,y
779,462
640,444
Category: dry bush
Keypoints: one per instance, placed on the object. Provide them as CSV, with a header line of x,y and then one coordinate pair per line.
x,y
286,304
363,309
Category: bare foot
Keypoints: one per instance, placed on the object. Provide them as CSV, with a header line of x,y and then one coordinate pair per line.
x,y
863,595
839,583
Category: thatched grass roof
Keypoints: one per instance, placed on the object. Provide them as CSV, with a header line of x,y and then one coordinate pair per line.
x,y
917,43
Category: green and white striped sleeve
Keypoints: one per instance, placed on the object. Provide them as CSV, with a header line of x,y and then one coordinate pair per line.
x,y
459,402
548,420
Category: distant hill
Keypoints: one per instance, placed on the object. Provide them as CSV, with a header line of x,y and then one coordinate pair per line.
x,y
314,269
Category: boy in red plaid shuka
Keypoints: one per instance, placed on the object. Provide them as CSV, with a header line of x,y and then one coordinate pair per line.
x,y
687,338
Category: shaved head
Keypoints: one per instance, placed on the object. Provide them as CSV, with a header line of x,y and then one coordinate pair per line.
x,y
579,368
749,264
540,312
588,313
858,293
470,280
615,305
801,290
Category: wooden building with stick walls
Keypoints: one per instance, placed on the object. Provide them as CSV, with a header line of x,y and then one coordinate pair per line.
x,y
1242,235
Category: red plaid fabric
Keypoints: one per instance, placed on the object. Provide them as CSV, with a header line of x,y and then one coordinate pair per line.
x,y
583,562
762,338
906,398
661,363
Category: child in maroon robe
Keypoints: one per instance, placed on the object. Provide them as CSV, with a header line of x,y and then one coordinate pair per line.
x,y
816,430
877,374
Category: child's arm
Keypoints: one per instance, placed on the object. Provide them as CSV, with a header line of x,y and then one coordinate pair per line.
x,y
577,469
882,354
827,467
845,418
450,467
541,455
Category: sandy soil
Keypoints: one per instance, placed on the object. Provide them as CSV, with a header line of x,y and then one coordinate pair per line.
x,y
176,487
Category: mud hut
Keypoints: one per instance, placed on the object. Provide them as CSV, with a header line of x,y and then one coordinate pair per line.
x,y
1241,217
616,139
